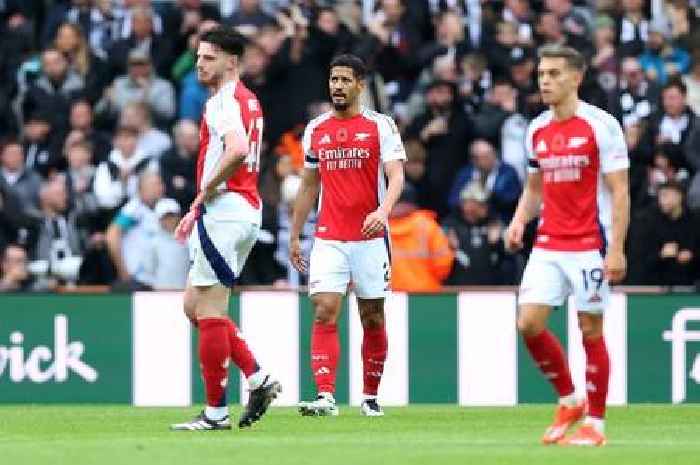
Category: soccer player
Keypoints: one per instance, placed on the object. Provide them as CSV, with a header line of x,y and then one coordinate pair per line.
x,y
227,214
578,186
348,153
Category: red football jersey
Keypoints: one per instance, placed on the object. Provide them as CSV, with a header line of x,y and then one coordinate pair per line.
x,y
349,154
232,108
572,156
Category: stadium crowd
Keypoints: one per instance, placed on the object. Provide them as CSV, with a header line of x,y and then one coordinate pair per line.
x,y
100,110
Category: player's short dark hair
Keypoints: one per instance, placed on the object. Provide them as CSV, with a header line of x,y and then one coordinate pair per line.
x,y
226,39
673,185
677,84
573,57
354,62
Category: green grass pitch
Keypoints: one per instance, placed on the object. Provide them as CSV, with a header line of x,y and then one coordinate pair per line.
x,y
444,435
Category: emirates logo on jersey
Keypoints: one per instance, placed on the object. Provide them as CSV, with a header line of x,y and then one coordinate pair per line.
x,y
566,168
343,158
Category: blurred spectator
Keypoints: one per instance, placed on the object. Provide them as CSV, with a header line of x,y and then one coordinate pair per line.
x,y
522,75
138,34
519,13
140,85
79,180
674,123
476,238
636,97
168,260
25,183
474,81
633,28
56,88
505,49
444,129
129,237
664,168
93,70
664,244
152,141
662,60
421,256
61,240
91,16
81,120
605,61
249,18
499,180
41,146
186,18
692,83
13,221
694,194
575,23
393,38
14,274
499,122
684,22
177,165
130,16
272,249
116,179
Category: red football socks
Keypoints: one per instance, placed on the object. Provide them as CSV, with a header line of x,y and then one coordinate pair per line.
x,y
214,352
325,347
374,348
597,375
551,360
240,352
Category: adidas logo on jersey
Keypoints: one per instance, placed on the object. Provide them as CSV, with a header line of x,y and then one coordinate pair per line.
x,y
541,146
325,140
360,136
576,142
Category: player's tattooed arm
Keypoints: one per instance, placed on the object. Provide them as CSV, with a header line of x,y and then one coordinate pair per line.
x,y
305,201
528,208
615,262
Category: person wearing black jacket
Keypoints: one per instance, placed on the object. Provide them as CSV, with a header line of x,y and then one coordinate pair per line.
x,y
664,244
445,130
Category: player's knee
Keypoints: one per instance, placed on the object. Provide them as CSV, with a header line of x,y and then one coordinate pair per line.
x,y
530,327
325,310
591,326
372,314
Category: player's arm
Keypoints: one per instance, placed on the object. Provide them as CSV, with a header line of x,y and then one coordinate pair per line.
x,y
377,220
305,201
393,156
614,163
528,209
236,140
113,238
615,263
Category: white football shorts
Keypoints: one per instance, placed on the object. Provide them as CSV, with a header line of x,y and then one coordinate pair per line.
x,y
334,264
219,249
551,276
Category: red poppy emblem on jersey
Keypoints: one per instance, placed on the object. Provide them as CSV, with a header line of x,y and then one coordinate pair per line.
x,y
558,142
342,135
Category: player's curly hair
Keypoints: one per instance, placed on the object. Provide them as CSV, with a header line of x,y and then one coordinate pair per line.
x,y
225,38
349,60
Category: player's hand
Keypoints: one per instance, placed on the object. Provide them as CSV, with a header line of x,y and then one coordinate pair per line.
x,y
514,236
615,266
374,223
185,226
295,256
